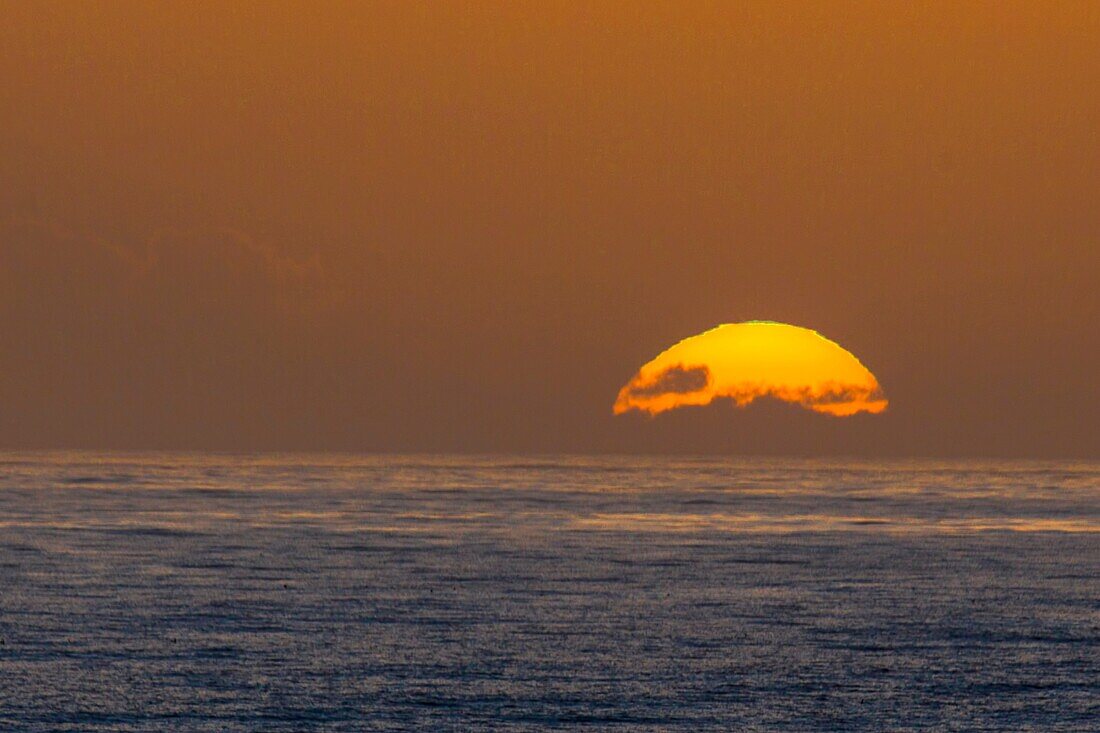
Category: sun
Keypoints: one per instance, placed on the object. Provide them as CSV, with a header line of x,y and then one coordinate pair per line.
x,y
744,361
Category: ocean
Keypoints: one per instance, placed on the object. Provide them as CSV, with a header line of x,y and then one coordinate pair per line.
x,y
176,592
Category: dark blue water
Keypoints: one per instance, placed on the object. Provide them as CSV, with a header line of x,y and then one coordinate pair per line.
x,y
169,592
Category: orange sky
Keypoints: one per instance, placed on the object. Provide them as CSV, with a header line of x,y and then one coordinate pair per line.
x,y
463,226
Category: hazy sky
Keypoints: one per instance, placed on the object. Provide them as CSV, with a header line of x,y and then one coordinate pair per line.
x,y
463,226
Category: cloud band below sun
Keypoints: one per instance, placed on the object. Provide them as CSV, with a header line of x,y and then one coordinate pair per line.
x,y
744,361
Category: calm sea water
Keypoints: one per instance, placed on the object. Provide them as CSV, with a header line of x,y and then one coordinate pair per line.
x,y
238,593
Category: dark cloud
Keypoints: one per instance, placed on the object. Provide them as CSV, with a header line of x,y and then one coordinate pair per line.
x,y
193,337
187,270
835,394
677,379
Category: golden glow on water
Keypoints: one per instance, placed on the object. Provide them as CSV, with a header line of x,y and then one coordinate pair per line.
x,y
744,361
786,523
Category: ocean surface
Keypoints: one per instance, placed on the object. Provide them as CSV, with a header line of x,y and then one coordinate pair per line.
x,y
166,592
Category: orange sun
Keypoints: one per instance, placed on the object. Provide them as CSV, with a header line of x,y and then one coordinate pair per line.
x,y
743,361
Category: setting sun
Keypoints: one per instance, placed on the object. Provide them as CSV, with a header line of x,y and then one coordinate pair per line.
x,y
743,361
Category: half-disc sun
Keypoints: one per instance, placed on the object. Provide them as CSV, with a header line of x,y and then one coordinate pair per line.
x,y
743,361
